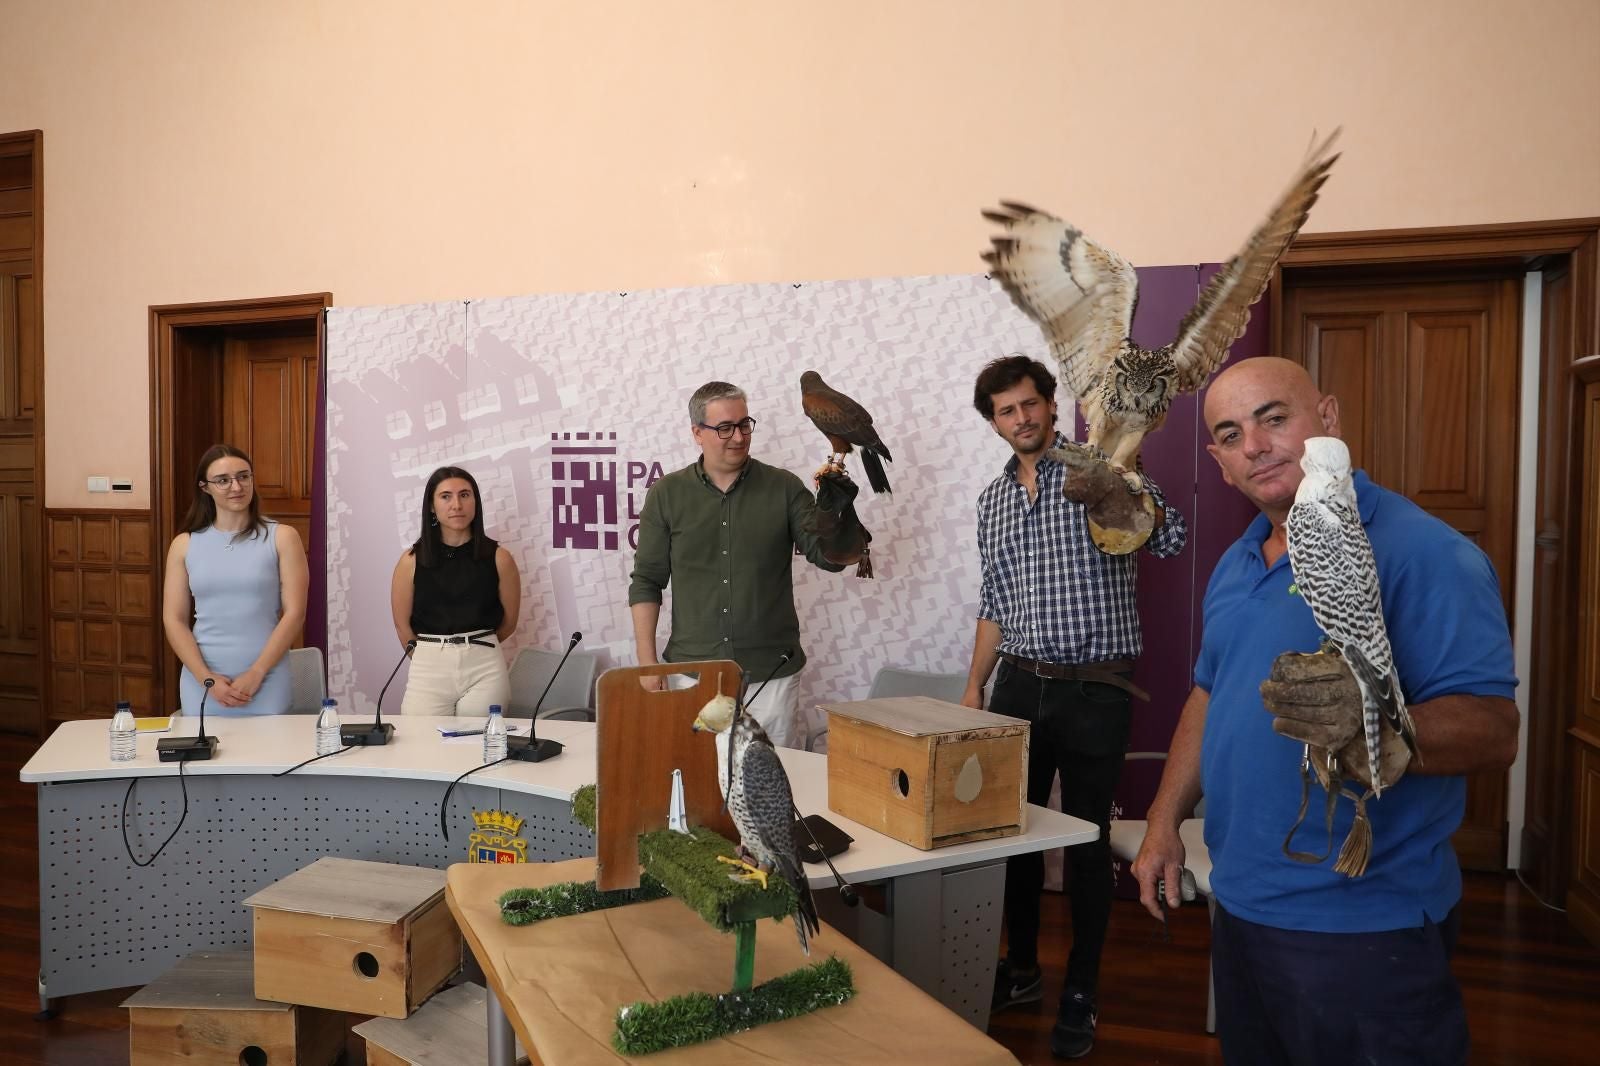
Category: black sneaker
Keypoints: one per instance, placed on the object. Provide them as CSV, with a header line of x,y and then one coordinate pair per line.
x,y
1073,1035
1012,987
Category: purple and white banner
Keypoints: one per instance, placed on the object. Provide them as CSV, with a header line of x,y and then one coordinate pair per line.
x,y
567,407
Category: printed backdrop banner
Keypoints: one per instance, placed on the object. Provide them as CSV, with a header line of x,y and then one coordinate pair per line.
x,y
567,407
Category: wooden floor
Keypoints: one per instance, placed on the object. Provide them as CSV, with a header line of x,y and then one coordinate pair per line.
x,y
1532,986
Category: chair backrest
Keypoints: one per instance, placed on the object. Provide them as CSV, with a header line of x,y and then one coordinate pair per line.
x,y
1139,756
308,685
894,681
573,688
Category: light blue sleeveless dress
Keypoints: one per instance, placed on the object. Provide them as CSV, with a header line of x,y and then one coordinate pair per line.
x,y
237,602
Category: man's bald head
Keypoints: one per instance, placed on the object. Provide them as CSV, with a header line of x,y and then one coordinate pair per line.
x,y
1259,413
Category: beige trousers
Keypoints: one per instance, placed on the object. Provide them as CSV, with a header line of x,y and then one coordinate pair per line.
x,y
456,679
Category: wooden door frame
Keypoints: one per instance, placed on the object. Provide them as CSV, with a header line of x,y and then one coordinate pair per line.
x,y
1546,849
168,484
34,139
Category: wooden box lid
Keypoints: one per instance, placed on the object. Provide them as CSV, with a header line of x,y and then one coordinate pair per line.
x,y
206,980
353,888
922,716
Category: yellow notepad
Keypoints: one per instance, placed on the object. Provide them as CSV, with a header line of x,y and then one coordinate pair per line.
x,y
155,725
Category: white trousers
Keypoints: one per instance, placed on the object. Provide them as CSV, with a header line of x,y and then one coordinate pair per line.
x,y
777,708
457,679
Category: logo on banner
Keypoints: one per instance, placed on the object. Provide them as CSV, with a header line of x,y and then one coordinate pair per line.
x,y
592,507
495,839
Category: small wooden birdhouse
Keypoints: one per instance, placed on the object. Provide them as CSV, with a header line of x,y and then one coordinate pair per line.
x,y
365,937
205,1010
927,772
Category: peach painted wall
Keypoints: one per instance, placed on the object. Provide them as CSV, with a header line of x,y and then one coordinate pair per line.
x,y
401,151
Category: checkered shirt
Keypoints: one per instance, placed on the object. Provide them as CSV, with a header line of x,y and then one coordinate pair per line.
x,y
1055,596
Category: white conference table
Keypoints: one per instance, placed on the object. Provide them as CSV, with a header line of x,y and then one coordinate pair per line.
x,y
106,922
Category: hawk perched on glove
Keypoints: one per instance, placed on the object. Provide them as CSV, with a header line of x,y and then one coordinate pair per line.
x,y
1083,296
846,424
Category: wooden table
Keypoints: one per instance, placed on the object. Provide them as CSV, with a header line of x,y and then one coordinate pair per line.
x,y
559,983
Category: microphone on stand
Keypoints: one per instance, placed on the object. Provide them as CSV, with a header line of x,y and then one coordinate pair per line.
x,y
532,749
186,749
377,732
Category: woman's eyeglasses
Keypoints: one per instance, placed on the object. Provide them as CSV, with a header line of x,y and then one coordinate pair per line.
x,y
221,482
725,430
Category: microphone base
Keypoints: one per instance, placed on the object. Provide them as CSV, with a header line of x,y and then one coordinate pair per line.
x,y
532,749
186,749
365,734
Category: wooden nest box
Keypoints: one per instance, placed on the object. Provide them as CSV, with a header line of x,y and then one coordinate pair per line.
x,y
927,772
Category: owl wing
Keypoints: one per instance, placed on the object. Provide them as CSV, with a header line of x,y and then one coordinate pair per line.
x,y
1219,317
1081,294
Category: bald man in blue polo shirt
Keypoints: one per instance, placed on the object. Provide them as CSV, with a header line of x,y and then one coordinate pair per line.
x,y
1312,966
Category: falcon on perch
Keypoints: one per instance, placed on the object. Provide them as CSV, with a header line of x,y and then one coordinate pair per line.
x,y
1083,296
762,806
846,424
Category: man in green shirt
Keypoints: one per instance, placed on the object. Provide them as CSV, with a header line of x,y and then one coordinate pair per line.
x,y
723,531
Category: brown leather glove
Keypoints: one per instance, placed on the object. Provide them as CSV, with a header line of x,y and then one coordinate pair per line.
x,y
1393,759
1314,699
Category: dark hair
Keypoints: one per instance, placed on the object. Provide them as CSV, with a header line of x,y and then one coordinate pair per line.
x,y
429,546
203,511
1008,372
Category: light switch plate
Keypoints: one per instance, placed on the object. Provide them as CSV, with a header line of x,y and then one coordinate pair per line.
x,y
99,483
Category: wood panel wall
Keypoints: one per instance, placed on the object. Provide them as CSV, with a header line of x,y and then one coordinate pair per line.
x,y
104,613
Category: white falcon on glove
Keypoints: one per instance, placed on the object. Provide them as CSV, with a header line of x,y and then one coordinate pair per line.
x,y
1338,577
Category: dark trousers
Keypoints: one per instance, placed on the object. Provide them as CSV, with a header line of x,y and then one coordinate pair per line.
x,y
1080,730
1305,999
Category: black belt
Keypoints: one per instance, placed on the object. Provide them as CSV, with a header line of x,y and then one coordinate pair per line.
x,y
463,638
1110,672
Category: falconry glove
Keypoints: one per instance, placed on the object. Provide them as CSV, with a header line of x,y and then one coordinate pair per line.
x,y
843,539
1315,699
1120,520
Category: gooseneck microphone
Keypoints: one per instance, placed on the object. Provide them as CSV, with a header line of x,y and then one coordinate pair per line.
x,y
533,749
185,749
376,732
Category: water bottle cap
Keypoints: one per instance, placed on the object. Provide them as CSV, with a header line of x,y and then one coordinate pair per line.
x,y
330,703
124,705
494,708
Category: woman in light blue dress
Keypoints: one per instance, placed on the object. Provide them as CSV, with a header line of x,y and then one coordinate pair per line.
x,y
242,579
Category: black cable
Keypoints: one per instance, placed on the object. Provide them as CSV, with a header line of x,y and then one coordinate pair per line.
x,y
314,758
847,891
183,784
443,828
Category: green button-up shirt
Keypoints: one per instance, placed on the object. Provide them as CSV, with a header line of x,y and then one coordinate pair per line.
x,y
730,558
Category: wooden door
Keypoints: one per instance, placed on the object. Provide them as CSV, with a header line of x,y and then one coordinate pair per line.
x,y
1583,897
269,387
21,442
1426,375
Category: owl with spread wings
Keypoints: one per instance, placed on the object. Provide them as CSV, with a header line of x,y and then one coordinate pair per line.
x,y
1083,297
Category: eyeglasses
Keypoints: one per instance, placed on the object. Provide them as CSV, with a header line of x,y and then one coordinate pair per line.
x,y
221,482
725,430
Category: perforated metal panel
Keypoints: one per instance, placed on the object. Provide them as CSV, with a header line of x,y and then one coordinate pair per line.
x,y
972,900
105,923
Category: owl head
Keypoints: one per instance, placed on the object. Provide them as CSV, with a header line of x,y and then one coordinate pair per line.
x,y
1143,381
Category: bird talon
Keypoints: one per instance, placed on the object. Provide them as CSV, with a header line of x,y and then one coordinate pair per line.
x,y
753,874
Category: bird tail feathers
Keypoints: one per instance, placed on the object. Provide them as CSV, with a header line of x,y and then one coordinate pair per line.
x,y
876,477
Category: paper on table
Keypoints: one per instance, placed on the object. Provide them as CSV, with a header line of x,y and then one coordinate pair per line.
x,y
161,724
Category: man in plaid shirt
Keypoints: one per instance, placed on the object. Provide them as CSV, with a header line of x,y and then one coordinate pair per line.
x,y
1058,616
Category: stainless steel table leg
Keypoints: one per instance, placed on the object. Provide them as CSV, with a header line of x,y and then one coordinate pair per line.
x,y
502,1043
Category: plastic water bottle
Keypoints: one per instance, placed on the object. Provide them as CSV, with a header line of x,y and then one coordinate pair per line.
x,y
328,740
124,734
494,736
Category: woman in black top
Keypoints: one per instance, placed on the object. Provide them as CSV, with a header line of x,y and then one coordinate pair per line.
x,y
457,594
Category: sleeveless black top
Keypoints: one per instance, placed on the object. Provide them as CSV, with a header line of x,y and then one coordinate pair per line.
x,y
459,595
